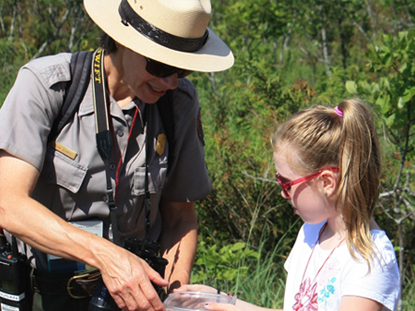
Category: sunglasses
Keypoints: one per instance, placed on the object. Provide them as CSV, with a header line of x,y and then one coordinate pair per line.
x,y
161,70
286,185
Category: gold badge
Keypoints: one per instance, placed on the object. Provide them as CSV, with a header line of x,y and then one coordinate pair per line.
x,y
161,144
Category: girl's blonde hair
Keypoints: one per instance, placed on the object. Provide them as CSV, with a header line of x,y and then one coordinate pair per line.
x,y
321,137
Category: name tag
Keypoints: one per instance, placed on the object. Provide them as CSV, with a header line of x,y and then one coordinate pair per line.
x,y
92,226
64,150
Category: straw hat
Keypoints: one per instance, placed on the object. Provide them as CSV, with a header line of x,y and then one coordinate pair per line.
x,y
173,32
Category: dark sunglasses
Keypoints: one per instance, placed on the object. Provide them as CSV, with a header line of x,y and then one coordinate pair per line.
x,y
286,185
161,70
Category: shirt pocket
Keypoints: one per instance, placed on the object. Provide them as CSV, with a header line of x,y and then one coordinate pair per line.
x,y
64,172
156,179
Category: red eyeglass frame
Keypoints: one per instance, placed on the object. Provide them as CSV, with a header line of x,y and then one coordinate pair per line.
x,y
286,185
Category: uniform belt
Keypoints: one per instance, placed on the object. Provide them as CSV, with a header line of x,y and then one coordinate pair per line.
x,y
78,285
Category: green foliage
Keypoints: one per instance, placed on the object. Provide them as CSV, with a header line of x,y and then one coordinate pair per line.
x,y
224,264
393,90
258,279
12,57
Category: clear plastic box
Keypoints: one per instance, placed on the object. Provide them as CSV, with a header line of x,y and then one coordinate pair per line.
x,y
184,301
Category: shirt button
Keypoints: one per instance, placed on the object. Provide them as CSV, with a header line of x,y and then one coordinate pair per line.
x,y
112,166
120,133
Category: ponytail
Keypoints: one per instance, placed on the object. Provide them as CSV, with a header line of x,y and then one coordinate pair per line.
x,y
360,169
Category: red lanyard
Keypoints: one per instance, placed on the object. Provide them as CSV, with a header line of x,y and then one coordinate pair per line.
x,y
331,253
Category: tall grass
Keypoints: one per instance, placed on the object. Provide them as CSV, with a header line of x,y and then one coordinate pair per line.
x,y
408,295
265,285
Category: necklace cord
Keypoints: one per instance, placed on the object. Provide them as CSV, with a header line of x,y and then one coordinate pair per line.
x,y
311,255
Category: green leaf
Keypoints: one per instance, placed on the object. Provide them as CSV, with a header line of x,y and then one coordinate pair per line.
x,y
351,87
365,87
401,103
403,67
390,120
409,93
238,246
383,103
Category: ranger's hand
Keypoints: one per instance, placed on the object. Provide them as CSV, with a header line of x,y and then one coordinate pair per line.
x,y
128,279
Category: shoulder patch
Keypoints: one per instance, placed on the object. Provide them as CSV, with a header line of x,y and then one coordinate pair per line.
x,y
200,128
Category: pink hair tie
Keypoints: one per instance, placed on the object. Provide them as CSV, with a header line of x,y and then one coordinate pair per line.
x,y
338,111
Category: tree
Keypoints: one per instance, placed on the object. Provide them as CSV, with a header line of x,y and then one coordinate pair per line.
x,y
394,95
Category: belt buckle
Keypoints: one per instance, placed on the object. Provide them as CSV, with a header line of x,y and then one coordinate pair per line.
x,y
69,287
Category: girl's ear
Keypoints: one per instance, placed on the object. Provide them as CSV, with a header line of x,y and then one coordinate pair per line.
x,y
330,181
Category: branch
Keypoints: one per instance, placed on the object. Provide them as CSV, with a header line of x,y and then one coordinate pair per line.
x,y
55,34
287,37
407,186
372,19
263,179
325,44
407,215
212,79
74,28
386,194
52,18
386,212
13,21
21,33
3,28
360,28
409,205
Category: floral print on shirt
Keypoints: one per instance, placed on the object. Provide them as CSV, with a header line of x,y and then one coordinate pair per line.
x,y
326,282
306,298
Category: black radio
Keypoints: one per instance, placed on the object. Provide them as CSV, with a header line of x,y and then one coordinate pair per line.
x,y
15,293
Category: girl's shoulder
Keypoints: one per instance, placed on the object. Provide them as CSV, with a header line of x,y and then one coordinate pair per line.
x,y
383,247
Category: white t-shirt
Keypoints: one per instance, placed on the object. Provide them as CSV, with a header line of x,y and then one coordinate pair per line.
x,y
341,275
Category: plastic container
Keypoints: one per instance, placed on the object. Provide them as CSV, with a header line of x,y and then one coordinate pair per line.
x,y
185,301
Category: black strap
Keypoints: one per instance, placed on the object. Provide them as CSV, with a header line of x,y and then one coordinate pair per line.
x,y
103,137
103,133
147,195
75,91
159,36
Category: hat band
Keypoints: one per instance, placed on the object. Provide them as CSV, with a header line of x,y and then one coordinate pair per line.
x,y
130,17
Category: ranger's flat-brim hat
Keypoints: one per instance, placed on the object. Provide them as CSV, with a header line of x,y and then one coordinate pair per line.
x,y
174,32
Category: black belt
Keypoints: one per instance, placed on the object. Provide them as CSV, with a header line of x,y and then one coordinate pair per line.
x,y
78,284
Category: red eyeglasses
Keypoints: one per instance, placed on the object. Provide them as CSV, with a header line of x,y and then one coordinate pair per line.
x,y
286,185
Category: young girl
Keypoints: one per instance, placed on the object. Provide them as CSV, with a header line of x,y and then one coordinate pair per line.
x,y
328,164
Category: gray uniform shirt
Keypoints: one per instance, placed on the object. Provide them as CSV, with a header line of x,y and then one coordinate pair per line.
x,y
73,181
